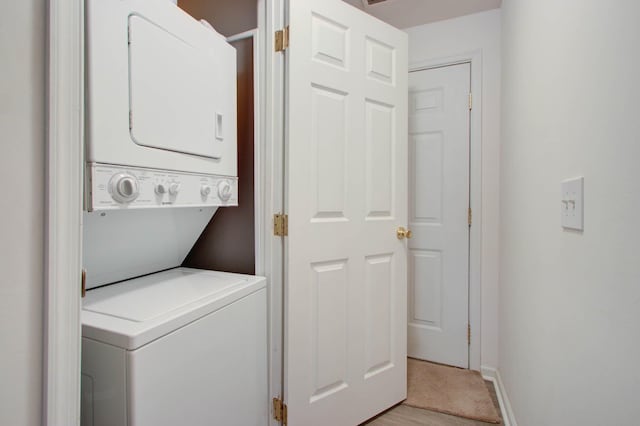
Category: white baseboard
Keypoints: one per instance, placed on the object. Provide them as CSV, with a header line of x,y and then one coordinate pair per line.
x,y
493,375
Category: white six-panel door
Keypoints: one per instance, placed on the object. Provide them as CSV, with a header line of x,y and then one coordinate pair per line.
x,y
346,190
438,214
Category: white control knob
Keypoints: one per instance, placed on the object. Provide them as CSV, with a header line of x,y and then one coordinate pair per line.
x,y
205,190
124,187
224,190
174,188
161,189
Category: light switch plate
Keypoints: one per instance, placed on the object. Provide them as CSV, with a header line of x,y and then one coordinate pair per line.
x,y
571,204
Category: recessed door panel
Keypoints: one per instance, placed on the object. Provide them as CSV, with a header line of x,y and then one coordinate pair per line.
x,y
380,61
329,41
328,152
329,328
425,272
427,151
379,319
379,159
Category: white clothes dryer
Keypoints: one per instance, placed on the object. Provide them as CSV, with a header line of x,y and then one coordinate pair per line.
x,y
161,108
179,347
161,148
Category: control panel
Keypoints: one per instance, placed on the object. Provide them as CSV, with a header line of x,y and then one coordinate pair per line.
x,y
116,187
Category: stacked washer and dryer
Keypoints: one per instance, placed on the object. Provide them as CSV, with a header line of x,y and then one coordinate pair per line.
x,y
162,344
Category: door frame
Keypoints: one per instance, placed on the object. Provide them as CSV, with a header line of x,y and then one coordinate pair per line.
x,y
271,17
63,228
474,58
64,197
267,248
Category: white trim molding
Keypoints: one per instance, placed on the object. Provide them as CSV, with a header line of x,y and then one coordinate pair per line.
x,y
271,18
475,191
268,174
493,375
61,390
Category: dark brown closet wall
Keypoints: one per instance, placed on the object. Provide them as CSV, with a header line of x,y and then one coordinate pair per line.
x,y
228,17
228,241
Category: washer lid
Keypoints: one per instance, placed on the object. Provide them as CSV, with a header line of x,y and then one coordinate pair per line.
x,y
132,313
146,298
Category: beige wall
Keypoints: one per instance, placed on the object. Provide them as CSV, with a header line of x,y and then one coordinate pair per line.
x,y
570,301
22,148
480,31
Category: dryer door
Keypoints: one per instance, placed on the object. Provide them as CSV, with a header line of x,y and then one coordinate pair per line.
x,y
161,89
176,101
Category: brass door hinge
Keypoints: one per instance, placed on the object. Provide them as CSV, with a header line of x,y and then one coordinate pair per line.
x,y
470,101
280,410
83,290
470,216
282,39
468,334
280,225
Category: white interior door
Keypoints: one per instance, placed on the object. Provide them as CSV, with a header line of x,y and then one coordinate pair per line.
x,y
439,193
345,302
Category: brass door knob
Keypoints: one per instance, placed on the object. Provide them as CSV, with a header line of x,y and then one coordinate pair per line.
x,y
403,233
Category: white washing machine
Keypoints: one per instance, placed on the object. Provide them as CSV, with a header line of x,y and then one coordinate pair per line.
x,y
179,347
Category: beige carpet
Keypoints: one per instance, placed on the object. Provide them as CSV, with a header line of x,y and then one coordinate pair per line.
x,y
449,390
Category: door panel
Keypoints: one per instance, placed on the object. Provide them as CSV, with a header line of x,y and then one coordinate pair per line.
x,y
439,251
328,325
426,302
379,160
345,307
379,299
327,154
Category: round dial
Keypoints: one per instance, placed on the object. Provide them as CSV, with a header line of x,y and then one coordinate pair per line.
x,y
124,187
205,190
224,190
161,189
174,188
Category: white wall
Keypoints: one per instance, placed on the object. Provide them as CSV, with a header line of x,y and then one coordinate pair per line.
x,y
443,39
570,302
22,58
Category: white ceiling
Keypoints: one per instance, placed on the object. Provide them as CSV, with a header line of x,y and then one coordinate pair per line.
x,y
409,13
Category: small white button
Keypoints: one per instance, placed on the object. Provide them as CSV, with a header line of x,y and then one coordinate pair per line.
x,y
205,190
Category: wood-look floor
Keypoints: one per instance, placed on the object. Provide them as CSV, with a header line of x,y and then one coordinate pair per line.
x,y
403,415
